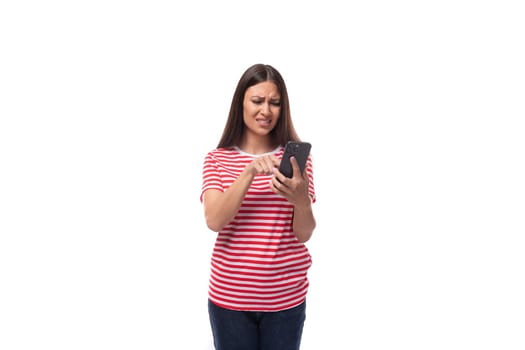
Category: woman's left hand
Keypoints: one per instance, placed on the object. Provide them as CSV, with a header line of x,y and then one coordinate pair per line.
x,y
295,189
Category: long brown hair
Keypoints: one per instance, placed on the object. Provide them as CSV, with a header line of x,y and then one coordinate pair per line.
x,y
283,131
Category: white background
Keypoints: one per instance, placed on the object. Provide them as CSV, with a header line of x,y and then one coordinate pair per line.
x,y
415,112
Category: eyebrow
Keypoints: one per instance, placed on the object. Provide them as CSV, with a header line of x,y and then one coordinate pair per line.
x,y
262,97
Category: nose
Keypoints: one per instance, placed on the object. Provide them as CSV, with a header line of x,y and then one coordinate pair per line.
x,y
266,108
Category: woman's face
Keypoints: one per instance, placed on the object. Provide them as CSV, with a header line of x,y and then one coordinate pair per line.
x,y
261,108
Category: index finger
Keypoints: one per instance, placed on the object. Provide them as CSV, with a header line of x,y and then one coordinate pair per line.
x,y
274,160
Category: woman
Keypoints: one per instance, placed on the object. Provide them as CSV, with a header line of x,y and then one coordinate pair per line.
x,y
259,264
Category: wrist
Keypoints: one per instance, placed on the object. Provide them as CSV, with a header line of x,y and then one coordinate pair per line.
x,y
305,204
249,172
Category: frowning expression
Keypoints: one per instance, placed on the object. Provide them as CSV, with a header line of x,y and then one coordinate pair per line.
x,y
261,108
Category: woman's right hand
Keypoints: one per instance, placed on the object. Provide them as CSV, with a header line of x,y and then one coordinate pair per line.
x,y
263,165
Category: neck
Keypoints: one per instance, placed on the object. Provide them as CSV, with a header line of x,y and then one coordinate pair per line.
x,y
257,144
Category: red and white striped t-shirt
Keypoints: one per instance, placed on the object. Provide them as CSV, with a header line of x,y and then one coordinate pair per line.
x,y
257,262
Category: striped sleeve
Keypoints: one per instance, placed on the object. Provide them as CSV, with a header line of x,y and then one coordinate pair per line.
x,y
310,174
211,177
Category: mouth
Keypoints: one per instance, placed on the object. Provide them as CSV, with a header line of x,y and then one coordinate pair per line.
x,y
263,121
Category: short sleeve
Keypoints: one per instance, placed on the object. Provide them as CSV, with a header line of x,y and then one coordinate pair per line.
x,y
211,178
310,174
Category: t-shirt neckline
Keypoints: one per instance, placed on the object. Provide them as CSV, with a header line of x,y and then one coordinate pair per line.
x,y
256,155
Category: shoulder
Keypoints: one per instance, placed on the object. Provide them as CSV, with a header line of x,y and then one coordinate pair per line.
x,y
221,155
221,152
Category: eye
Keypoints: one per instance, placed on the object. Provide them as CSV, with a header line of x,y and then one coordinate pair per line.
x,y
276,103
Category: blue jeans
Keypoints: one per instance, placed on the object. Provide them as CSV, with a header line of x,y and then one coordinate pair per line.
x,y
248,330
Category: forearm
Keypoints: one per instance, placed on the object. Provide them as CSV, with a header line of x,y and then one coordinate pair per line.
x,y
221,207
303,221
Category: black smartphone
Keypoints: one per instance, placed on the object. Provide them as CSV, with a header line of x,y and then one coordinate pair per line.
x,y
300,150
